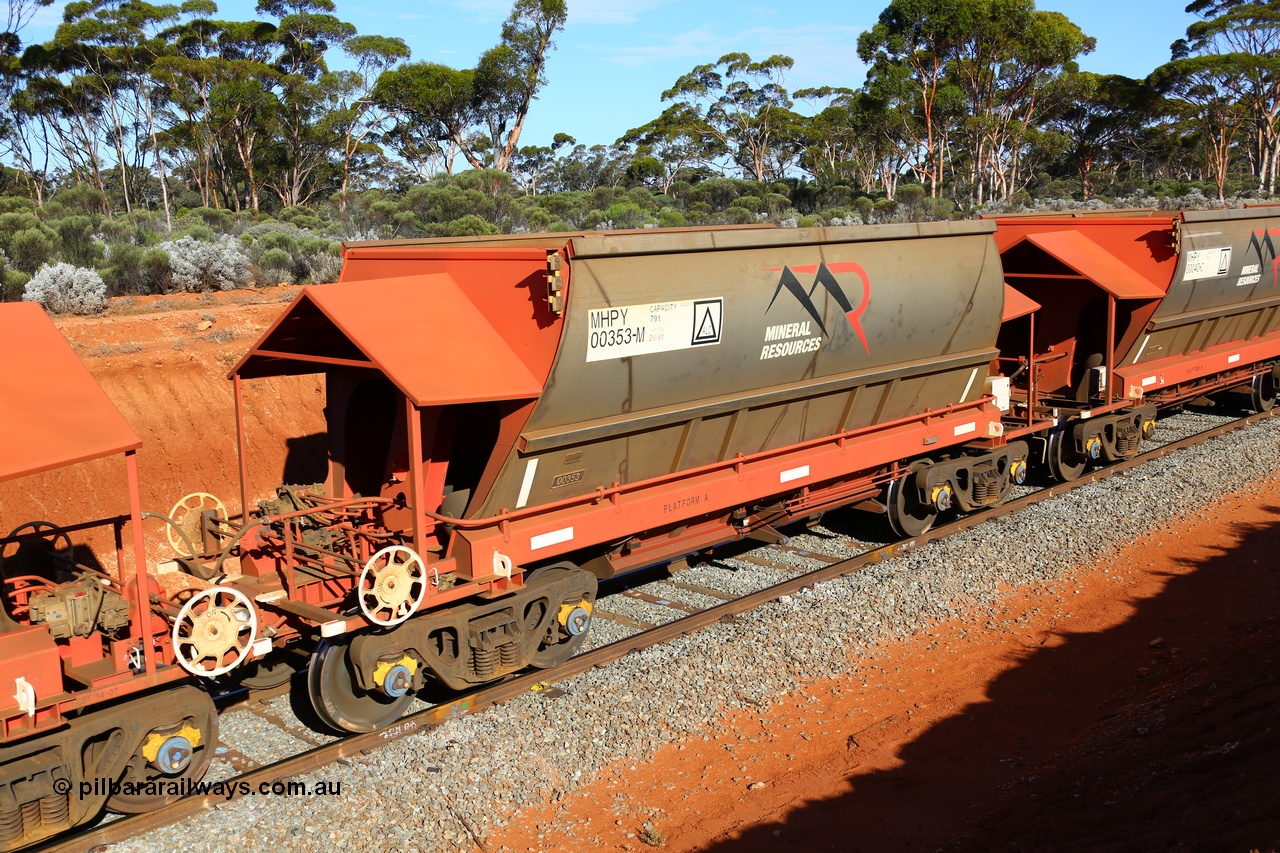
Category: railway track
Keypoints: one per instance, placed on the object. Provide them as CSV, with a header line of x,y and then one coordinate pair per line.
x,y
637,614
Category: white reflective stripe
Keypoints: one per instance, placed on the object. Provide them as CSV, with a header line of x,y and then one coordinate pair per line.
x,y
261,646
1232,359
333,629
530,468
1148,381
965,429
793,474
973,374
1145,338
555,537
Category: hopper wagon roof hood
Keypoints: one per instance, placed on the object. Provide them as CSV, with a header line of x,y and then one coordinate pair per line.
x,y
421,331
52,411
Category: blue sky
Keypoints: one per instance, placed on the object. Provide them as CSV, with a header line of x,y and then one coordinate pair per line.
x,y
615,57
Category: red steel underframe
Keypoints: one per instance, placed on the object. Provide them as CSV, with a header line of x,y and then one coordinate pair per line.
x,y
616,513
1228,361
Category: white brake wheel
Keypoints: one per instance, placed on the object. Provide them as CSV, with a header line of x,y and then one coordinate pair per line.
x,y
187,515
214,631
391,585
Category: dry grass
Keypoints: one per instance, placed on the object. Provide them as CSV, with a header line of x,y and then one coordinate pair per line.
x,y
104,350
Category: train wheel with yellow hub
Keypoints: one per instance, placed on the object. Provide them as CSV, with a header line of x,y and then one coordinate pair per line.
x,y
341,703
556,624
171,757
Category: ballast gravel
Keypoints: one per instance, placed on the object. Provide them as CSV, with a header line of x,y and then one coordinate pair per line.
x,y
445,788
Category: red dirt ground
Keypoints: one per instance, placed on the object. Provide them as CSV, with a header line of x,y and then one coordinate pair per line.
x,y
1135,707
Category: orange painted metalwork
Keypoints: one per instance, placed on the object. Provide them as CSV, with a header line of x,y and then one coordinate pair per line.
x,y
52,412
421,332
1017,305
1097,264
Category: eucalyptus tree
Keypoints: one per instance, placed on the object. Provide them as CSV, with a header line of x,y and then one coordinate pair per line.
x,y
855,136
219,82
1228,69
434,115
18,14
357,116
669,145
1100,117
23,132
479,112
104,49
1006,59
509,75
908,50
307,92
533,163
744,109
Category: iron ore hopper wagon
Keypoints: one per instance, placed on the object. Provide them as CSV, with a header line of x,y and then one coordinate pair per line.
x,y
510,420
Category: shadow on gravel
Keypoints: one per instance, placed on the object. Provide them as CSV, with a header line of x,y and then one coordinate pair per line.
x,y
1160,733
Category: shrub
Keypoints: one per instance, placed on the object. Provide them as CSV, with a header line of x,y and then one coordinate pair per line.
x,y
15,284
626,214
64,289
323,266
123,270
78,245
470,226
278,263
30,249
669,217
195,266
155,270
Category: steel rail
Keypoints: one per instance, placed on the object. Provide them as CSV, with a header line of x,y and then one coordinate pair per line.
x,y
511,687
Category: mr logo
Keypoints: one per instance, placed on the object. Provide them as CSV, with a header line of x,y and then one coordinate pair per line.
x,y
825,276
1260,243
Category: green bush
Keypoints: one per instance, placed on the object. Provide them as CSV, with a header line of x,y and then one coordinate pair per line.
x,y
76,236
220,220
865,207
627,214
155,270
123,272
669,217
277,261
470,225
14,204
30,249
15,283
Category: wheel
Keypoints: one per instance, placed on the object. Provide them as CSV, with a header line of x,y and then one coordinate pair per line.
x,y
564,623
1263,391
1065,464
185,531
907,516
173,756
338,701
391,585
214,630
